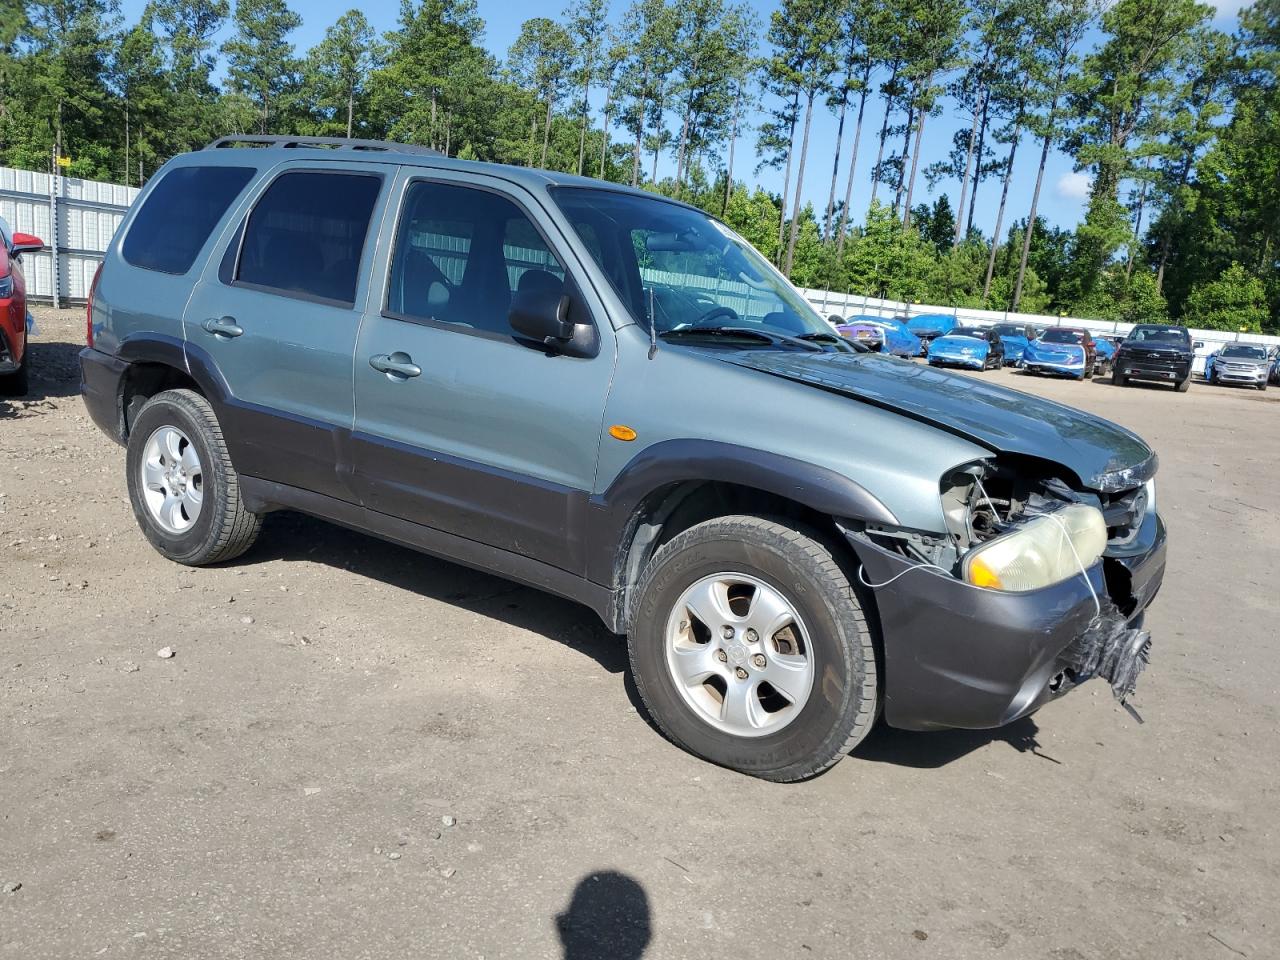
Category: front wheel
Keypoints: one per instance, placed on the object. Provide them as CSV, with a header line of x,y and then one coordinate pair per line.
x,y
1184,385
750,648
184,491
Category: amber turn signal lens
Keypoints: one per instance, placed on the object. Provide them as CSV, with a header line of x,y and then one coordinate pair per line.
x,y
620,432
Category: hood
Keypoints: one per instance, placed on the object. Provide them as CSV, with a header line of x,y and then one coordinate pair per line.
x,y
1155,348
1103,455
1045,347
950,341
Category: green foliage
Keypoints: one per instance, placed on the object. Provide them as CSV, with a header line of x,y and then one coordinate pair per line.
x,y
336,75
260,59
1167,114
1235,301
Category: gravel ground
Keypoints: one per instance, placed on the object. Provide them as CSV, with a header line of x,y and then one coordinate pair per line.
x,y
357,751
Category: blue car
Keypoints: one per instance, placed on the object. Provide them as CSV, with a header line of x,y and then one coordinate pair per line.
x,y
898,340
1106,358
1015,337
930,326
971,347
1065,351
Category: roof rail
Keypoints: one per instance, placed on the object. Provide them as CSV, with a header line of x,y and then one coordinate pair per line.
x,y
334,143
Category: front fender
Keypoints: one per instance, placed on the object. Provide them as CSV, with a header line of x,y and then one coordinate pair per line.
x,y
672,462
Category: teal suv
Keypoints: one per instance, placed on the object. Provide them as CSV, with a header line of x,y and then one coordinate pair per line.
x,y
610,396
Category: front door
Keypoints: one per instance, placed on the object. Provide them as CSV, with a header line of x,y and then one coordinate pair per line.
x,y
276,315
460,426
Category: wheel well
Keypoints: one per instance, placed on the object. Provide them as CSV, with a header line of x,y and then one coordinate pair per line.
x,y
667,512
143,381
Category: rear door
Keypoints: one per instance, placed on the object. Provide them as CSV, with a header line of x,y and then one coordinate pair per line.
x,y
276,314
474,432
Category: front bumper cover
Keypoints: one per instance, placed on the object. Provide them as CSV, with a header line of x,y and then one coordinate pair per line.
x,y
961,656
1065,369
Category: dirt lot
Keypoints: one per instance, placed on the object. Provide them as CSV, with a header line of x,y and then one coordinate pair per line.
x,y
280,787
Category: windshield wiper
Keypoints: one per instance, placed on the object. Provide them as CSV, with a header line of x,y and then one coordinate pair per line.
x,y
768,336
821,337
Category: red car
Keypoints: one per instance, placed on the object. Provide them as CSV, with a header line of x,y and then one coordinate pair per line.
x,y
13,309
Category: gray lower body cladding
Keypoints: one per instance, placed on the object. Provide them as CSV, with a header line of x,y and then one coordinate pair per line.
x,y
961,656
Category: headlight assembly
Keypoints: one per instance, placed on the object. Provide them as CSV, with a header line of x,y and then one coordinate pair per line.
x,y
1041,552
6,286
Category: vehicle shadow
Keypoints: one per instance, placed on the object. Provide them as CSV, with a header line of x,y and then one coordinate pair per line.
x,y
54,372
608,918
294,537
933,749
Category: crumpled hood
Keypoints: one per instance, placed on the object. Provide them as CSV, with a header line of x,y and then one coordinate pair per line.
x,y
1103,455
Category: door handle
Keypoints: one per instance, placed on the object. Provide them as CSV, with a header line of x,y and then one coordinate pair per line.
x,y
225,327
397,366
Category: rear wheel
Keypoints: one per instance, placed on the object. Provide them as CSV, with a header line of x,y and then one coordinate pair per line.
x,y
750,648
184,490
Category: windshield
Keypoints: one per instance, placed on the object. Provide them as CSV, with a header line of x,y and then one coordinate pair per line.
x,y
968,332
693,272
1060,335
1244,351
1158,335
1010,330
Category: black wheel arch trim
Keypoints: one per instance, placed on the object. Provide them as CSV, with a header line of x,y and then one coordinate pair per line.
x,y
615,512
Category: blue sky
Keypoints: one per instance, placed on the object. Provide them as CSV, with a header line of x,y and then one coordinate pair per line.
x,y
1062,197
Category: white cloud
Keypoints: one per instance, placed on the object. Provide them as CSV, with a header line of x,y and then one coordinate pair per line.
x,y
1074,186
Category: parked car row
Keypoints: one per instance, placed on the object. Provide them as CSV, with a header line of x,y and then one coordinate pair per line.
x,y
1151,353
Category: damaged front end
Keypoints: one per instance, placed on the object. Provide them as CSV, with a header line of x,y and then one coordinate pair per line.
x,y
1036,585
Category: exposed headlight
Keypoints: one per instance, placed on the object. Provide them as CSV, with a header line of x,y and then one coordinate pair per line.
x,y
1043,551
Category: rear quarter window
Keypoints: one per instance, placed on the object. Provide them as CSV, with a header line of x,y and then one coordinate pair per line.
x,y
179,214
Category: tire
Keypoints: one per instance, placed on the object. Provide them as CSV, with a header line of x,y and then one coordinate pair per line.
x,y
1262,386
840,706
1119,379
17,383
1184,385
220,528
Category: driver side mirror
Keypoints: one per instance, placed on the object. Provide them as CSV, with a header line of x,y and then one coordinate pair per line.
x,y
542,314
26,243
1198,345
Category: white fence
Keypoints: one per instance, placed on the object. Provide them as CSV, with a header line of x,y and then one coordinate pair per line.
x,y
75,218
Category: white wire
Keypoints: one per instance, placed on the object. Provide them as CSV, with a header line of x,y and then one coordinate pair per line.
x,y
1097,605
1084,572
862,574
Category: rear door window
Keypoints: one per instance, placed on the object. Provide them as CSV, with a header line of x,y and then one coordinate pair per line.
x,y
179,214
305,237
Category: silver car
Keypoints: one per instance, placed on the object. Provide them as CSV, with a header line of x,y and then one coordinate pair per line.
x,y
1245,364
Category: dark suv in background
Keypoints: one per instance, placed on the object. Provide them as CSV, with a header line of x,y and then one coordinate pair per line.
x,y
1155,353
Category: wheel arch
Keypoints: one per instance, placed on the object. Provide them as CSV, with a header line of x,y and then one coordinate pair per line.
x,y
155,364
674,485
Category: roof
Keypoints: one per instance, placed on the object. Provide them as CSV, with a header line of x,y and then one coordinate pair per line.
x,y
279,148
